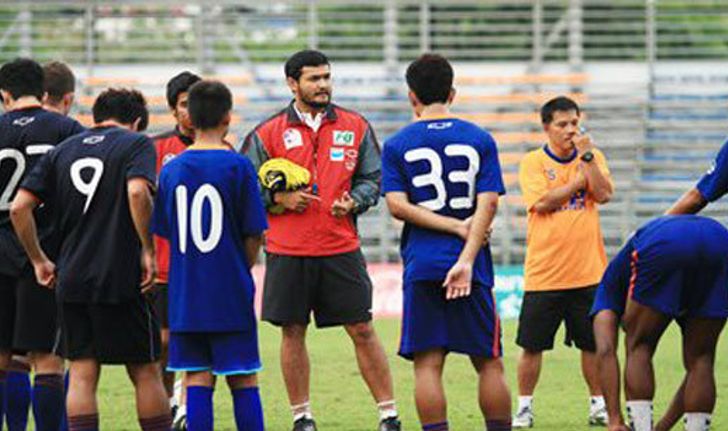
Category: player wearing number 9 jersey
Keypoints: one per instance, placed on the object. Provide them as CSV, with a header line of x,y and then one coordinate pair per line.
x,y
99,185
208,206
441,176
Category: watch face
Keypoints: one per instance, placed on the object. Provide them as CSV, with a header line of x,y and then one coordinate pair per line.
x,y
588,156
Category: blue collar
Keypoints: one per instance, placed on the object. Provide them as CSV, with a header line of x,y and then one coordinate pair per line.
x,y
558,159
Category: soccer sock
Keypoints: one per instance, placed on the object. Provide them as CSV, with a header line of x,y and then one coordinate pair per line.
x,y
48,401
3,377
697,421
387,409
440,426
525,401
248,409
199,408
640,415
596,403
17,404
84,422
302,410
498,425
158,423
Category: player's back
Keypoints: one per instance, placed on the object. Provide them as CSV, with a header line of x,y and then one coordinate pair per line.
x,y
86,177
207,204
445,163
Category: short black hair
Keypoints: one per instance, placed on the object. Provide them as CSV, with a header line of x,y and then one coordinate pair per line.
x,y
58,80
308,57
561,103
22,77
123,105
180,84
208,104
430,78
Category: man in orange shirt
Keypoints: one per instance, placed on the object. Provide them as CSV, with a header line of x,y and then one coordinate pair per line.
x,y
561,183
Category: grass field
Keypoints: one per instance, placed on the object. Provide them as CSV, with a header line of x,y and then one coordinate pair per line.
x,y
341,401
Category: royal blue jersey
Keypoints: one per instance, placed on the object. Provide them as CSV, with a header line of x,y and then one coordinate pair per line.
x,y
714,183
84,182
207,203
669,264
441,164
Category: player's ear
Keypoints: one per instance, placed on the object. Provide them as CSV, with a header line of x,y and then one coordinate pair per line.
x,y
135,124
414,101
292,84
451,96
68,101
227,119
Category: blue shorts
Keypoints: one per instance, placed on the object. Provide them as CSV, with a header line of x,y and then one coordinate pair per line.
x,y
468,325
223,353
684,281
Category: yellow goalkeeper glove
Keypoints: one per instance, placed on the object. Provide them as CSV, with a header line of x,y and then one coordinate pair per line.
x,y
282,175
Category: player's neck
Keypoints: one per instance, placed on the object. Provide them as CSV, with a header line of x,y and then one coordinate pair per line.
x,y
24,102
434,110
209,139
112,123
560,152
54,108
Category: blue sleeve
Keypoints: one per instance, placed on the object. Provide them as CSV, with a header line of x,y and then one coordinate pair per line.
x,y
714,183
613,289
142,161
394,178
252,215
489,177
160,221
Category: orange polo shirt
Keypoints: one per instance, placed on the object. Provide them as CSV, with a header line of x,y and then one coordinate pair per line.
x,y
565,248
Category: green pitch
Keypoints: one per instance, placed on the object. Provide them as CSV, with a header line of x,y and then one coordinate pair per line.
x,y
341,401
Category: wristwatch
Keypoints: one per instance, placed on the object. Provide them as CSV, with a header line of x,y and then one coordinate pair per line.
x,y
587,157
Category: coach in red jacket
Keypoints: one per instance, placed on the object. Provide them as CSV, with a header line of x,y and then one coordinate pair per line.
x,y
314,263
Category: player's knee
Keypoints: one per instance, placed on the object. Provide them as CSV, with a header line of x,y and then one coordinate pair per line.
x,y
361,333
294,333
239,381
144,373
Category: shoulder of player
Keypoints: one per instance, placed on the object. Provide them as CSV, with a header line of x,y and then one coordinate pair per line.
x,y
163,136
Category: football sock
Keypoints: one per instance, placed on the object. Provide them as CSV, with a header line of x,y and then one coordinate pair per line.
x,y
48,401
525,402
498,425
640,415
158,423
387,409
248,409
440,426
3,378
84,422
697,421
302,410
199,408
64,419
596,403
17,404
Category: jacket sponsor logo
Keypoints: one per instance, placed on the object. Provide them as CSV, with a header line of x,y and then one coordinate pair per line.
x,y
23,121
344,137
551,174
337,154
93,140
292,138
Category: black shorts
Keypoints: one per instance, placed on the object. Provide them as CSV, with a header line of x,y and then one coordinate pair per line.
x,y
337,289
160,301
27,316
13,260
542,313
111,333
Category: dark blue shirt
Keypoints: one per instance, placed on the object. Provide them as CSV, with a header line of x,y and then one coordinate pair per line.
x,y
714,183
84,180
441,164
207,203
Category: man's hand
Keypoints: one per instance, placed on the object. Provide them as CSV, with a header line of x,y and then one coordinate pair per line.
x,y
296,201
580,179
45,273
458,280
343,206
149,269
583,143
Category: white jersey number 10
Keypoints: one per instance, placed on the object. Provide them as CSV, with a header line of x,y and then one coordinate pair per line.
x,y
205,194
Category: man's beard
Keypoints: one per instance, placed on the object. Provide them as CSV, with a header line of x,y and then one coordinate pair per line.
x,y
317,105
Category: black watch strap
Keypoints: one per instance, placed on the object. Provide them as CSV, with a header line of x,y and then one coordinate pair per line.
x,y
587,156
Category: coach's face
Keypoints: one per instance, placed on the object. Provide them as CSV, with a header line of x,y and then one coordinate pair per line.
x,y
562,129
313,87
181,114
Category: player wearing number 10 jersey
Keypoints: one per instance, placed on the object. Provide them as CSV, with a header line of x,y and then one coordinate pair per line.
x,y
208,206
99,185
441,176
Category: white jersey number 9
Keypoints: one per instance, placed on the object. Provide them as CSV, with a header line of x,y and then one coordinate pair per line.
x,y
435,179
205,194
87,188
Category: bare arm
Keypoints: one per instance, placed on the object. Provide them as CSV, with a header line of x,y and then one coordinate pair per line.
x,y
21,214
556,198
598,185
401,209
606,336
689,203
140,206
252,248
